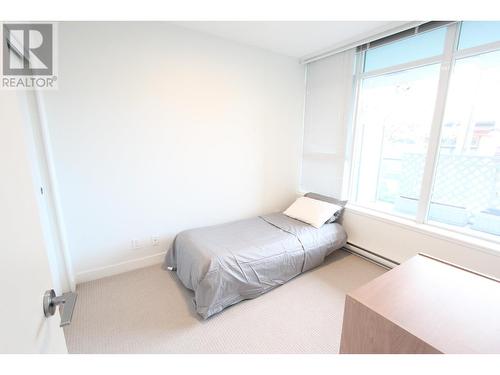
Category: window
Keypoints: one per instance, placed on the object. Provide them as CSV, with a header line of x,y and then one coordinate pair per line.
x,y
466,190
427,128
476,33
395,137
420,46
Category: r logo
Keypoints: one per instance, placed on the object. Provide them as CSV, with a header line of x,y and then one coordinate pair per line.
x,y
34,46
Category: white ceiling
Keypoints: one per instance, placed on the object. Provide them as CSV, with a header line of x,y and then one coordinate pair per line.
x,y
292,38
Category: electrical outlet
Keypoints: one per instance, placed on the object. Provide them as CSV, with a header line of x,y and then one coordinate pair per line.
x,y
136,244
155,240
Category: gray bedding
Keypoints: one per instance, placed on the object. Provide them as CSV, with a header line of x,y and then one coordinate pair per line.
x,y
225,264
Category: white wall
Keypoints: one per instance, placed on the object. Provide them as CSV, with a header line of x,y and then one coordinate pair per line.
x,y
156,129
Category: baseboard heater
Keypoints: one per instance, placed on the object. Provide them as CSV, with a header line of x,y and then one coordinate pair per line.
x,y
371,256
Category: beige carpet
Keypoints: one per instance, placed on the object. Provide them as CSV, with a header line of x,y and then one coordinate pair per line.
x,y
149,311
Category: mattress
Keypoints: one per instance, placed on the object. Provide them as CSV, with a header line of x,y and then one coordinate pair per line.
x,y
228,263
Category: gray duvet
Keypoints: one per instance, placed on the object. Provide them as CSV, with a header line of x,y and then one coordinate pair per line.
x,y
225,264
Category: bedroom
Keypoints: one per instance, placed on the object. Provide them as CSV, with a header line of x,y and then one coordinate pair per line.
x,y
183,186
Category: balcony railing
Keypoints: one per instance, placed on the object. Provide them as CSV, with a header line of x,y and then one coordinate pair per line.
x,y
465,192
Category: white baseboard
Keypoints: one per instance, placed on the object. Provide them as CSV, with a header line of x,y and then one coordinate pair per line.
x,y
371,256
115,269
150,260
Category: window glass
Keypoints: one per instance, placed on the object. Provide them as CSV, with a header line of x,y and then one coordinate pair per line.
x,y
417,47
395,114
476,33
466,190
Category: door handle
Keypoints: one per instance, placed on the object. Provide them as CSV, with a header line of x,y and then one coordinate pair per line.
x,y
66,303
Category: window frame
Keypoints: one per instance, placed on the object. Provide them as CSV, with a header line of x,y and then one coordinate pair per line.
x,y
447,60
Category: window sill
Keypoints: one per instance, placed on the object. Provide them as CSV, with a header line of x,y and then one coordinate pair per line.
x,y
480,244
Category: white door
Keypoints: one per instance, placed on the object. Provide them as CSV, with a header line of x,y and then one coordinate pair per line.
x,y
24,268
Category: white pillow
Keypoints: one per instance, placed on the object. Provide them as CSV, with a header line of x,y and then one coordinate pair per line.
x,y
312,211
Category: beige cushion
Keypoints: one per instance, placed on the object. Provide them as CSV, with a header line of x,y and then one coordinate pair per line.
x,y
312,211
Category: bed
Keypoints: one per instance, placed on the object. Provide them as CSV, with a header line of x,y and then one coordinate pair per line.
x,y
225,264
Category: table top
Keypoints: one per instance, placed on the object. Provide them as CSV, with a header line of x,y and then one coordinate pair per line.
x,y
453,309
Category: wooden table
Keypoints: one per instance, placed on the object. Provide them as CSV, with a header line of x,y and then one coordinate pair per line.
x,y
425,305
